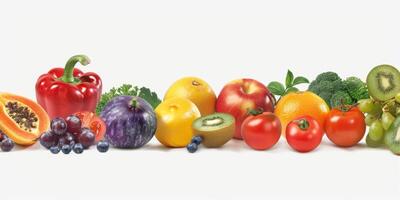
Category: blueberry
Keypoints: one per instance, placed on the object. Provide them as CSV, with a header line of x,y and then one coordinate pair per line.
x,y
192,147
103,146
66,149
7,145
78,148
197,140
55,149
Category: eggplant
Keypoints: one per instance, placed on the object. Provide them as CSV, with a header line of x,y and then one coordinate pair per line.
x,y
131,122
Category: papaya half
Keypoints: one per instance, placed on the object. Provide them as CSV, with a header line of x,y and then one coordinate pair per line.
x,y
22,119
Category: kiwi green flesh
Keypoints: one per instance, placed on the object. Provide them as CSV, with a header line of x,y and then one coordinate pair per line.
x,y
392,140
383,82
213,122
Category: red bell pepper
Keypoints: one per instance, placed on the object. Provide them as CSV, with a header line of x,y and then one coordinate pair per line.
x,y
64,91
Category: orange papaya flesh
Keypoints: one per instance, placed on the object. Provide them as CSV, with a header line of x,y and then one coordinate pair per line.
x,y
22,119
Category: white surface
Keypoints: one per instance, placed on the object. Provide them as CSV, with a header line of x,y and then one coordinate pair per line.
x,y
154,42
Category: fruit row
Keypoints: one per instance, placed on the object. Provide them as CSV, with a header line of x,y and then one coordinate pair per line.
x,y
73,114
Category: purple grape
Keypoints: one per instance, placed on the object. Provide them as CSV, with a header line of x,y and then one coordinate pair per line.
x,y
70,137
87,138
48,139
67,139
74,124
58,126
7,145
62,141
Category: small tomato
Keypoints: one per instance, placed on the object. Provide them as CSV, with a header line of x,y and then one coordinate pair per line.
x,y
95,123
345,126
304,134
261,131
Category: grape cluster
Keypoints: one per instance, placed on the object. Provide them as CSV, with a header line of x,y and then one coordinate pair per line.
x,y
379,117
68,135
6,144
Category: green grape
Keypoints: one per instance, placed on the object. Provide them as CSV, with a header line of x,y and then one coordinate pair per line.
x,y
397,97
373,144
390,107
366,105
387,120
376,109
369,119
397,111
376,131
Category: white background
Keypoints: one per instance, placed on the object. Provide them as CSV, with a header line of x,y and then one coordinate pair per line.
x,y
154,42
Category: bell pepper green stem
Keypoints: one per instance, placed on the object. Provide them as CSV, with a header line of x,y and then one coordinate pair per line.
x,y
68,75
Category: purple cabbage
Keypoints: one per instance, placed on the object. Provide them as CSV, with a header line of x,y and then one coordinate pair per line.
x,y
131,122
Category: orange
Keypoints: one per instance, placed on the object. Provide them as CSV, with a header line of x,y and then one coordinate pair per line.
x,y
297,104
175,118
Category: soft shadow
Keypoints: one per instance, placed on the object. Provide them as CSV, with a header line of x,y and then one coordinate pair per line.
x,y
157,147
353,148
235,145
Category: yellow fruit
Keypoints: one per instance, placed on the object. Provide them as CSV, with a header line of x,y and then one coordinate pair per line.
x,y
197,91
175,117
297,104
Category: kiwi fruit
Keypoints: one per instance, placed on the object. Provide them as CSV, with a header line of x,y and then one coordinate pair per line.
x,y
392,137
383,82
215,129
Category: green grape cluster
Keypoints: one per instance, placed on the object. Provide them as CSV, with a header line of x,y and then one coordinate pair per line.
x,y
379,117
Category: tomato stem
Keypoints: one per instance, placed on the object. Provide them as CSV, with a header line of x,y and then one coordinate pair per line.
x,y
303,124
255,112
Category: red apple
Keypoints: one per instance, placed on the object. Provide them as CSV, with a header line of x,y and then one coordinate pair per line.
x,y
240,96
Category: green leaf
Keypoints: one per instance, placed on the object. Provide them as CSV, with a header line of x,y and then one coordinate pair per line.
x,y
276,88
299,80
289,79
128,90
150,97
291,89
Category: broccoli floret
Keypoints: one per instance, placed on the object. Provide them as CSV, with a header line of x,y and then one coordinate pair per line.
x,y
341,98
328,76
325,96
314,87
326,85
356,88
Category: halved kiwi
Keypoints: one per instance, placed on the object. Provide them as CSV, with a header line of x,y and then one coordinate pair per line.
x,y
215,129
392,137
383,82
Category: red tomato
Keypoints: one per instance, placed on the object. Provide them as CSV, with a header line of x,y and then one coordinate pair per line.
x,y
95,123
345,126
304,134
262,131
